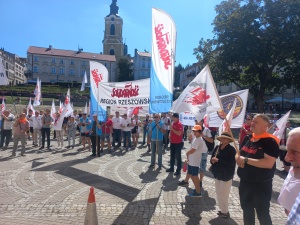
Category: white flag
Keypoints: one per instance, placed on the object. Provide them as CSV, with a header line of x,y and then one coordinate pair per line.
x,y
29,106
3,77
84,81
199,97
67,108
85,108
224,126
37,93
53,110
281,124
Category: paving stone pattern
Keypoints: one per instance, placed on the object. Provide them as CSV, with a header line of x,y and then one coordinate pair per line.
x,y
48,187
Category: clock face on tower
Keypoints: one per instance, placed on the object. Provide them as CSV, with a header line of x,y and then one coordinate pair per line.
x,y
112,19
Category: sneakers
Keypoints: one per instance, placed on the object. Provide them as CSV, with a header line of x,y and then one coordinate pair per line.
x,y
223,215
183,183
195,194
22,154
169,170
151,166
177,173
12,155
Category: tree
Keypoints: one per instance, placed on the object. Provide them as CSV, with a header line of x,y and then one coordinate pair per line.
x,y
125,70
256,45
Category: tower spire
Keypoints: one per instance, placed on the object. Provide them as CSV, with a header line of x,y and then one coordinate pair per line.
x,y
114,8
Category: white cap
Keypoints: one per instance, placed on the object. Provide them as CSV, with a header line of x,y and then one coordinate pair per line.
x,y
95,114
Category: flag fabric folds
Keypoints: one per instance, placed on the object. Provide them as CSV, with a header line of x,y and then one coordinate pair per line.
x,y
162,62
281,124
199,97
225,126
67,109
37,93
29,106
98,74
84,81
53,110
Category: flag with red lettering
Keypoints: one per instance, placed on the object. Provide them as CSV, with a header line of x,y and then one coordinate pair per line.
x,y
162,62
3,77
53,110
37,93
281,124
67,109
200,97
98,74
225,126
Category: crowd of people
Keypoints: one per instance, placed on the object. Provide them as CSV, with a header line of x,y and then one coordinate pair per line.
x,y
255,158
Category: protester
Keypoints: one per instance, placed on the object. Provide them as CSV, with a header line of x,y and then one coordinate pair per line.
x,y
46,123
6,128
29,119
282,147
107,128
58,127
135,130
126,125
291,186
145,129
194,158
96,133
71,130
176,135
84,124
37,129
245,130
21,126
117,130
258,153
223,167
167,122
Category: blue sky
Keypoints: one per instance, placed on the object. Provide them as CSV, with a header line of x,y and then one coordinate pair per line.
x,y
67,24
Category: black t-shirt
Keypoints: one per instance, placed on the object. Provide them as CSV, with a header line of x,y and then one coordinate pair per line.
x,y
256,150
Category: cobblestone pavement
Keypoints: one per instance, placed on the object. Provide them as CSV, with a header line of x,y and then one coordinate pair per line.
x,y
52,187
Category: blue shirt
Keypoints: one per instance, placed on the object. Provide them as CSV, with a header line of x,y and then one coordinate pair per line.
x,y
294,215
157,135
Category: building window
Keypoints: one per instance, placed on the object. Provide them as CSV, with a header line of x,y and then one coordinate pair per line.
x,y
71,71
53,70
112,29
61,71
35,69
61,61
83,63
82,72
111,52
53,60
72,62
35,58
143,64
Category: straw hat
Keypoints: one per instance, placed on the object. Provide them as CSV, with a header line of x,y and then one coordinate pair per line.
x,y
225,135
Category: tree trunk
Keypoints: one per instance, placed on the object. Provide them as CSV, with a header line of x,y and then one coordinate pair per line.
x,y
260,101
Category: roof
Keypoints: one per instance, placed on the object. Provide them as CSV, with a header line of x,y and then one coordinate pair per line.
x,y
145,54
70,53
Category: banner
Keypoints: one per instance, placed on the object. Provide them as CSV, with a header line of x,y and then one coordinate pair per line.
x,y
129,94
216,118
187,118
162,62
3,77
199,97
142,110
98,74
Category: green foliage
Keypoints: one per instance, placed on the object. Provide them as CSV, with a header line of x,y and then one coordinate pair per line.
x,y
177,75
125,71
252,39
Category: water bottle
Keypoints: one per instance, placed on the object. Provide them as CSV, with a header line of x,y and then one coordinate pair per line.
x,y
184,167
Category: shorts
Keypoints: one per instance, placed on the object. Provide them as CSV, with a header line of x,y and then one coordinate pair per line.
x,y
193,170
203,163
105,136
84,134
31,129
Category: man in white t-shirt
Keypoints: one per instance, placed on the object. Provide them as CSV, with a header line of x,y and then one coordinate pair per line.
x,y
117,130
194,159
37,129
126,125
291,186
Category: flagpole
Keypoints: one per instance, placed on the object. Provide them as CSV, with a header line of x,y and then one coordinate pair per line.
x,y
226,121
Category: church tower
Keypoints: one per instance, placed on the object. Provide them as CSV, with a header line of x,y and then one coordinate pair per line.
x,y
113,39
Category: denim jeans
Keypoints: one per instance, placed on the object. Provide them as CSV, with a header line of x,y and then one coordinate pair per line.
x,y
175,153
116,137
45,131
127,135
156,145
256,196
145,133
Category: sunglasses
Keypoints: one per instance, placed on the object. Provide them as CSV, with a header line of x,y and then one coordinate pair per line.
x,y
155,117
